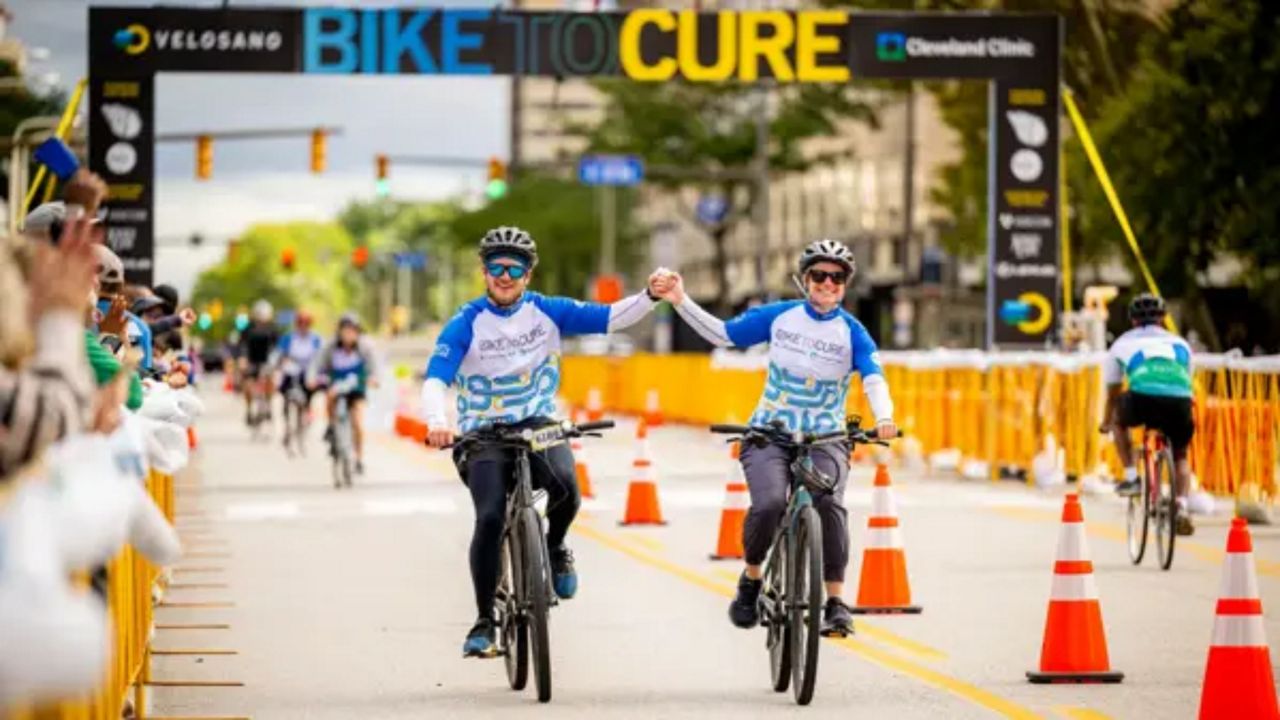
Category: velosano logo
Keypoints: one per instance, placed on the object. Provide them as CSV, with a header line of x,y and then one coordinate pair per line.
x,y
136,39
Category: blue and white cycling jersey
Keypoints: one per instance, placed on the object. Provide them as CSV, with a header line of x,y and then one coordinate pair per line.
x,y
505,362
298,350
812,357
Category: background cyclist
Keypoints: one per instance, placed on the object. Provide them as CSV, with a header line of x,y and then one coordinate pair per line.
x,y
815,346
1157,364
350,355
295,353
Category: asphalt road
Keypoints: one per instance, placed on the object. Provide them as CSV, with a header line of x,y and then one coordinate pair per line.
x,y
354,604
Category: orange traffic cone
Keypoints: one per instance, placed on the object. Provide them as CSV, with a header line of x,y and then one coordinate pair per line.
x,y
192,442
883,588
734,514
417,431
1237,680
1075,643
580,463
642,493
595,406
652,408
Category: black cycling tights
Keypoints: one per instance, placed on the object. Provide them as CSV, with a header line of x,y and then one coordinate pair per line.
x,y
487,473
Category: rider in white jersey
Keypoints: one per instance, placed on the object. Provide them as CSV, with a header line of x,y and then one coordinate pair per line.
x,y
294,354
1157,365
815,346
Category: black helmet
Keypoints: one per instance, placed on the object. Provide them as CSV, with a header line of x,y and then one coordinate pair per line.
x,y
509,239
1147,309
829,251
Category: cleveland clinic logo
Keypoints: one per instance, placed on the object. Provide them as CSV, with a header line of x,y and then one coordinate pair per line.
x,y
897,47
136,39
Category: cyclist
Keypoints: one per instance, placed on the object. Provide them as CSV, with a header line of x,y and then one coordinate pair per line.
x,y
293,356
256,343
502,351
815,346
350,354
1157,364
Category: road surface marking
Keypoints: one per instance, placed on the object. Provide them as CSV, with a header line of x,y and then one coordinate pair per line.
x,y
960,688
1073,713
261,511
410,506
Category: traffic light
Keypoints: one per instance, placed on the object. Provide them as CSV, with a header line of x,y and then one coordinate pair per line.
x,y
215,309
497,185
382,185
319,151
360,257
287,258
204,157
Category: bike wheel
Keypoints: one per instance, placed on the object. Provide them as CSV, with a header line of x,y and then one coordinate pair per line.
x,y
806,608
774,615
1137,520
1166,508
537,584
515,629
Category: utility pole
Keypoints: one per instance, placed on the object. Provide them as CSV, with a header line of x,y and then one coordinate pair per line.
x,y
908,179
608,229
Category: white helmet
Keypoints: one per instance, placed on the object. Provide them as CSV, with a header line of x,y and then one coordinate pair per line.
x,y
509,239
262,311
828,251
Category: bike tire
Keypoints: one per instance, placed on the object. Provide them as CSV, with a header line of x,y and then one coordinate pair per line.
x,y
1137,522
778,639
806,609
515,628
1167,508
537,585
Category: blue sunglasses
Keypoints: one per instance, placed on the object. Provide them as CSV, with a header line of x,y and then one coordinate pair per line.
x,y
515,272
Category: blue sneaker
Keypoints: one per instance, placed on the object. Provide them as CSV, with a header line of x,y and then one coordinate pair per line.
x,y
563,576
480,640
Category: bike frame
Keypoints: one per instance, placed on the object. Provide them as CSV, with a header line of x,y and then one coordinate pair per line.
x,y
1153,442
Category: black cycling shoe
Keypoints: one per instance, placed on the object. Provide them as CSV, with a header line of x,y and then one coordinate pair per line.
x,y
481,640
1128,488
837,620
744,611
359,467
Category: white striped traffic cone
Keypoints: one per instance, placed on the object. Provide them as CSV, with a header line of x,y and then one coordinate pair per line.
x,y
883,587
736,501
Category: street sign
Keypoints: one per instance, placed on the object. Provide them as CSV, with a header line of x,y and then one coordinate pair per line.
x,y
610,170
712,209
411,260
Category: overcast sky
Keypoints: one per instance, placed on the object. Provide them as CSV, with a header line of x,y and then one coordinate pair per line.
x,y
269,180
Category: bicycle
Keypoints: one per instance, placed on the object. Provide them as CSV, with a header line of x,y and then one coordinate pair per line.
x,y
259,413
1155,501
525,594
342,440
791,596
296,415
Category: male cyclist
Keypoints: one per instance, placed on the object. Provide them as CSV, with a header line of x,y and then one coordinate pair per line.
x,y
350,355
294,355
1157,364
815,346
502,351
256,343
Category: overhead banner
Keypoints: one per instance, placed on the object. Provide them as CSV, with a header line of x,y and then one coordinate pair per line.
x,y
1018,53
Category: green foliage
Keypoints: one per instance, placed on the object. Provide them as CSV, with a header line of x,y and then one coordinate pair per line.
x,y
322,280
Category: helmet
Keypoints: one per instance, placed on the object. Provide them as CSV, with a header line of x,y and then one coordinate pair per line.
x,y
302,317
828,251
1147,309
509,239
262,311
349,319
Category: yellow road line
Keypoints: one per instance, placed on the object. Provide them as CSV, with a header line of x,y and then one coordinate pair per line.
x,y
1117,533
978,696
1073,713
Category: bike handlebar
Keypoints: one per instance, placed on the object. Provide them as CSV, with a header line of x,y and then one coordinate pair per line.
x,y
854,434
595,425
501,433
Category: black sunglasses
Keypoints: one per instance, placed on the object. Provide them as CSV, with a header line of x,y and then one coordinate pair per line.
x,y
838,277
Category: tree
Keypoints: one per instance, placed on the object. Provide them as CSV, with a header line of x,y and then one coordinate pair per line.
x,y
320,279
18,104
703,136
1191,149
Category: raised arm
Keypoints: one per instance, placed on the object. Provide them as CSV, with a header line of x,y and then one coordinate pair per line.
x,y
745,330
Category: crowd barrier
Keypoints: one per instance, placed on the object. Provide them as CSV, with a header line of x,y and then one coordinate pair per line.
x,y
131,580
999,408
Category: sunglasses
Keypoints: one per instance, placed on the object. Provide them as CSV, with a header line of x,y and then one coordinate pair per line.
x,y
515,272
838,277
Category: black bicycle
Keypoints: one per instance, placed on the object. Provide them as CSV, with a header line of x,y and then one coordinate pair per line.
x,y
525,593
791,597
